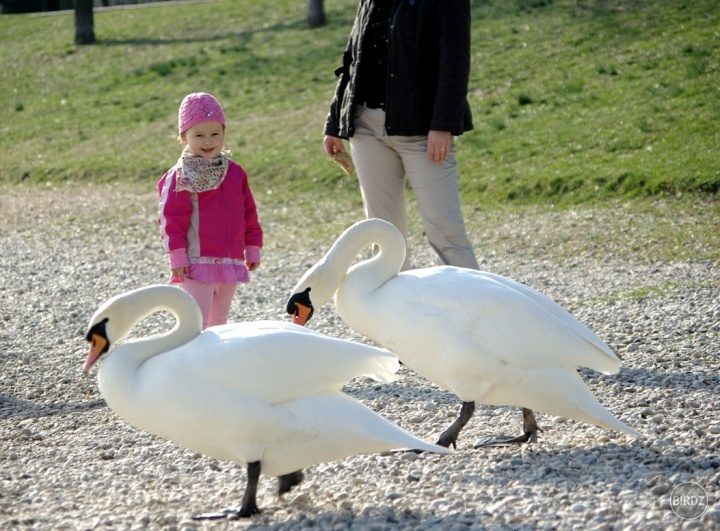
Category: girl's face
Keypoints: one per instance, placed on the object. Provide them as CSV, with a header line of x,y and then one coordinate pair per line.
x,y
205,139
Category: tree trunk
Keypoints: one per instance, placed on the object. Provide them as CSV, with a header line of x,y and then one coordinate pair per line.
x,y
315,13
84,24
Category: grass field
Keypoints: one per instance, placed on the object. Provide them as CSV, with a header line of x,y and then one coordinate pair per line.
x,y
571,98
577,103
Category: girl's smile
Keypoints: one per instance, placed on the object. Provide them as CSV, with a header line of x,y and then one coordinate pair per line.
x,y
205,139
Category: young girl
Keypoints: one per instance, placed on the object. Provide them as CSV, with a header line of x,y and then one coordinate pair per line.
x,y
207,214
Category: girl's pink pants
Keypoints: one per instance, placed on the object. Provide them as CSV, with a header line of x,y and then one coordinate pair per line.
x,y
214,300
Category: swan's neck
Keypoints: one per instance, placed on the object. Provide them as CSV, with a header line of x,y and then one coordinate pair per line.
x,y
117,375
367,275
335,273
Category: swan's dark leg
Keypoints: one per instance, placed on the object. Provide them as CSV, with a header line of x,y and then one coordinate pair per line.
x,y
249,502
288,481
529,435
450,435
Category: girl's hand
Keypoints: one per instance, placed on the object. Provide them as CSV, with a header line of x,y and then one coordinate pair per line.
x,y
252,266
179,273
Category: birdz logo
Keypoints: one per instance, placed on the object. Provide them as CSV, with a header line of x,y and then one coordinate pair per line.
x,y
688,500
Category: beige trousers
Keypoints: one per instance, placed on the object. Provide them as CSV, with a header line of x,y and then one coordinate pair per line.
x,y
383,162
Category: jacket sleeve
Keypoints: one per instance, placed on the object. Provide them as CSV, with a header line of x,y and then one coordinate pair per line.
x,y
253,231
174,211
344,87
332,123
454,25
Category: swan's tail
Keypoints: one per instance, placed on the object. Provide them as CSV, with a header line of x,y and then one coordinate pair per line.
x,y
570,398
580,404
350,429
599,416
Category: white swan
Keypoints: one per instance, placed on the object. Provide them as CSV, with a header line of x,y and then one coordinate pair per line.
x,y
485,337
263,394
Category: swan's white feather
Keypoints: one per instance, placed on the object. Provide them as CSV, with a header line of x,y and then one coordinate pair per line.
x,y
258,391
487,314
485,337
249,356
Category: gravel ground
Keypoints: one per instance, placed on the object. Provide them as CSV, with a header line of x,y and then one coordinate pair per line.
x,y
69,462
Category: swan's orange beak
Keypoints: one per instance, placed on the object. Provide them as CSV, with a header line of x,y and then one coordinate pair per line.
x,y
302,314
97,347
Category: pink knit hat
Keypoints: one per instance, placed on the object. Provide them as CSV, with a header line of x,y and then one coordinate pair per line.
x,y
197,108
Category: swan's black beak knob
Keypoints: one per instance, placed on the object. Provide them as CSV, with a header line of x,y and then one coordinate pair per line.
x,y
300,307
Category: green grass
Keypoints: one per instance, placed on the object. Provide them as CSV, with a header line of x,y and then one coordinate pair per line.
x,y
574,101
646,292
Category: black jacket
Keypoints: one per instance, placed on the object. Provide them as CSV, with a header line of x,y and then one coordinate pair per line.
x,y
428,69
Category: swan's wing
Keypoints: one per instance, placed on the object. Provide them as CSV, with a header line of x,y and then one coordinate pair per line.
x,y
226,423
555,309
216,420
275,361
484,314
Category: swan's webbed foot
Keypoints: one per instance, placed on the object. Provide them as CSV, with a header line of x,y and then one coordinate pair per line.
x,y
411,450
288,481
450,435
249,505
229,513
529,435
246,511
504,440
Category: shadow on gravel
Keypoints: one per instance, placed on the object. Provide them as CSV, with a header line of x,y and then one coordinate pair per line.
x,y
385,518
696,381
11,407
636,466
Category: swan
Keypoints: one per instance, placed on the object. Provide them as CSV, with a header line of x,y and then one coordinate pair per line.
x,y
485,337
266,395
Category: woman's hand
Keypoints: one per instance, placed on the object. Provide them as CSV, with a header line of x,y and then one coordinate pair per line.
x,y
332,145
439,145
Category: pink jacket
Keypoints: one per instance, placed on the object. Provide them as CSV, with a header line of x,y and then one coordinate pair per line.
x,y
220,223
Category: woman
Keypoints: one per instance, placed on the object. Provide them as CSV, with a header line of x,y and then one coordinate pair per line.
x,y
400,99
